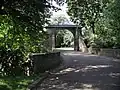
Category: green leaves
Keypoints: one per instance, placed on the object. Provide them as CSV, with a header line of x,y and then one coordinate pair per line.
x,y
85,12
17,40
33,12
100,16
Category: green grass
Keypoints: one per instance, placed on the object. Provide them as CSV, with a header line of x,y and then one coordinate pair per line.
x,y
15,83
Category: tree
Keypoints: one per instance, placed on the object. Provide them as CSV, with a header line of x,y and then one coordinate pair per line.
x,y
59,20
86,12
34,12
91,15
107,28
21,32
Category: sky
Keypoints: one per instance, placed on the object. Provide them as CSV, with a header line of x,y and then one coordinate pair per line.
x,y
62,12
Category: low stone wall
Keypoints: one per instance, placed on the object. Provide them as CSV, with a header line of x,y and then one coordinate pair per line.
x,y
43,62
105,52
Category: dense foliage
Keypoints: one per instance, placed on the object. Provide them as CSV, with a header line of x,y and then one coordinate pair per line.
x,y
17,41
15,83
107,29
21,33
100,18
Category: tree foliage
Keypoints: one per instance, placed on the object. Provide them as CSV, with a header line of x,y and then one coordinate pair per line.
x,y
34,12
85,13
100,18
21,32
107,29
17,42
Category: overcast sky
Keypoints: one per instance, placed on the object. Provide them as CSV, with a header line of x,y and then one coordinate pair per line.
x,y
62,12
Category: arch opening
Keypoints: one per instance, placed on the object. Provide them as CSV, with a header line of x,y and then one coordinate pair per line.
x,y
64,39
72,36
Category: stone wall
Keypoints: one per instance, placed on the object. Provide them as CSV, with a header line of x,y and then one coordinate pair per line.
x,y
43,62
105,52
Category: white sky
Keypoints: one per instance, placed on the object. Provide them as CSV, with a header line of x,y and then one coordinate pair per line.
x,y
62,12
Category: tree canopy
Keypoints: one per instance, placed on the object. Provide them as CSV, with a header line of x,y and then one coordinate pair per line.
x,y
21,32
100,17
34,12
86,12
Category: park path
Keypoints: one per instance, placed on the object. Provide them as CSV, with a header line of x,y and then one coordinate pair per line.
x,y
84,72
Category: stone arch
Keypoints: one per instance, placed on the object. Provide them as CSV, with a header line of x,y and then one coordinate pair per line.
x,y
72,28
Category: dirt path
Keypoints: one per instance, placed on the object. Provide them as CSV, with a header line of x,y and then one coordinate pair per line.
x,y
85,72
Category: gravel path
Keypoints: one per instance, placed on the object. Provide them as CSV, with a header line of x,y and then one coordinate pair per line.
x,y
85,72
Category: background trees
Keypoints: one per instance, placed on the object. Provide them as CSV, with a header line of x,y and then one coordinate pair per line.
x,y
100,18
107,29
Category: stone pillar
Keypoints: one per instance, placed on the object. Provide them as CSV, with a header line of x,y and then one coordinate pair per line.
x,y
76,40
51,39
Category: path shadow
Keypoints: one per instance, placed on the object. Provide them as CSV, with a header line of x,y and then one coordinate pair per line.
x,y
85,72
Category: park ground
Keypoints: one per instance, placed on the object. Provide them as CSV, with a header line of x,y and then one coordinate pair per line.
x,y
82,71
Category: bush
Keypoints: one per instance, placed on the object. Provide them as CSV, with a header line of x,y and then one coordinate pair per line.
x,y
17,41
12,62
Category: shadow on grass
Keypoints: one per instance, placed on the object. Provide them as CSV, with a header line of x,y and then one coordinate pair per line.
x,y
5,87
15,83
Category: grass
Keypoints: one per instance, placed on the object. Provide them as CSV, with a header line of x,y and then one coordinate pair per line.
x,y
15,83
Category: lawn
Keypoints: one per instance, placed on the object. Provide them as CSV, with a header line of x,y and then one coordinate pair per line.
x,y
15,83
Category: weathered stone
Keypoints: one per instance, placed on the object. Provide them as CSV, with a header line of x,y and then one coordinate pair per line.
x,y
43,62
115,53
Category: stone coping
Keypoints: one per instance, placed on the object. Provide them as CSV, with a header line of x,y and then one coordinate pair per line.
x,y
44,53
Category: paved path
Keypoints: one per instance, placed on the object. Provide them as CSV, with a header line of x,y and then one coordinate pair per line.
x,y
85,72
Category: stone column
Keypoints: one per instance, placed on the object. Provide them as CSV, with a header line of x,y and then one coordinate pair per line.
x,y
53,40
50,40
76,40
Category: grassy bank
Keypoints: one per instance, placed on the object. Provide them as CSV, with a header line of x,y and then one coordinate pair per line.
x,y
15,83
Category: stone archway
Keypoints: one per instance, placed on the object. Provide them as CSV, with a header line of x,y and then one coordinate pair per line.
x,y
74,29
